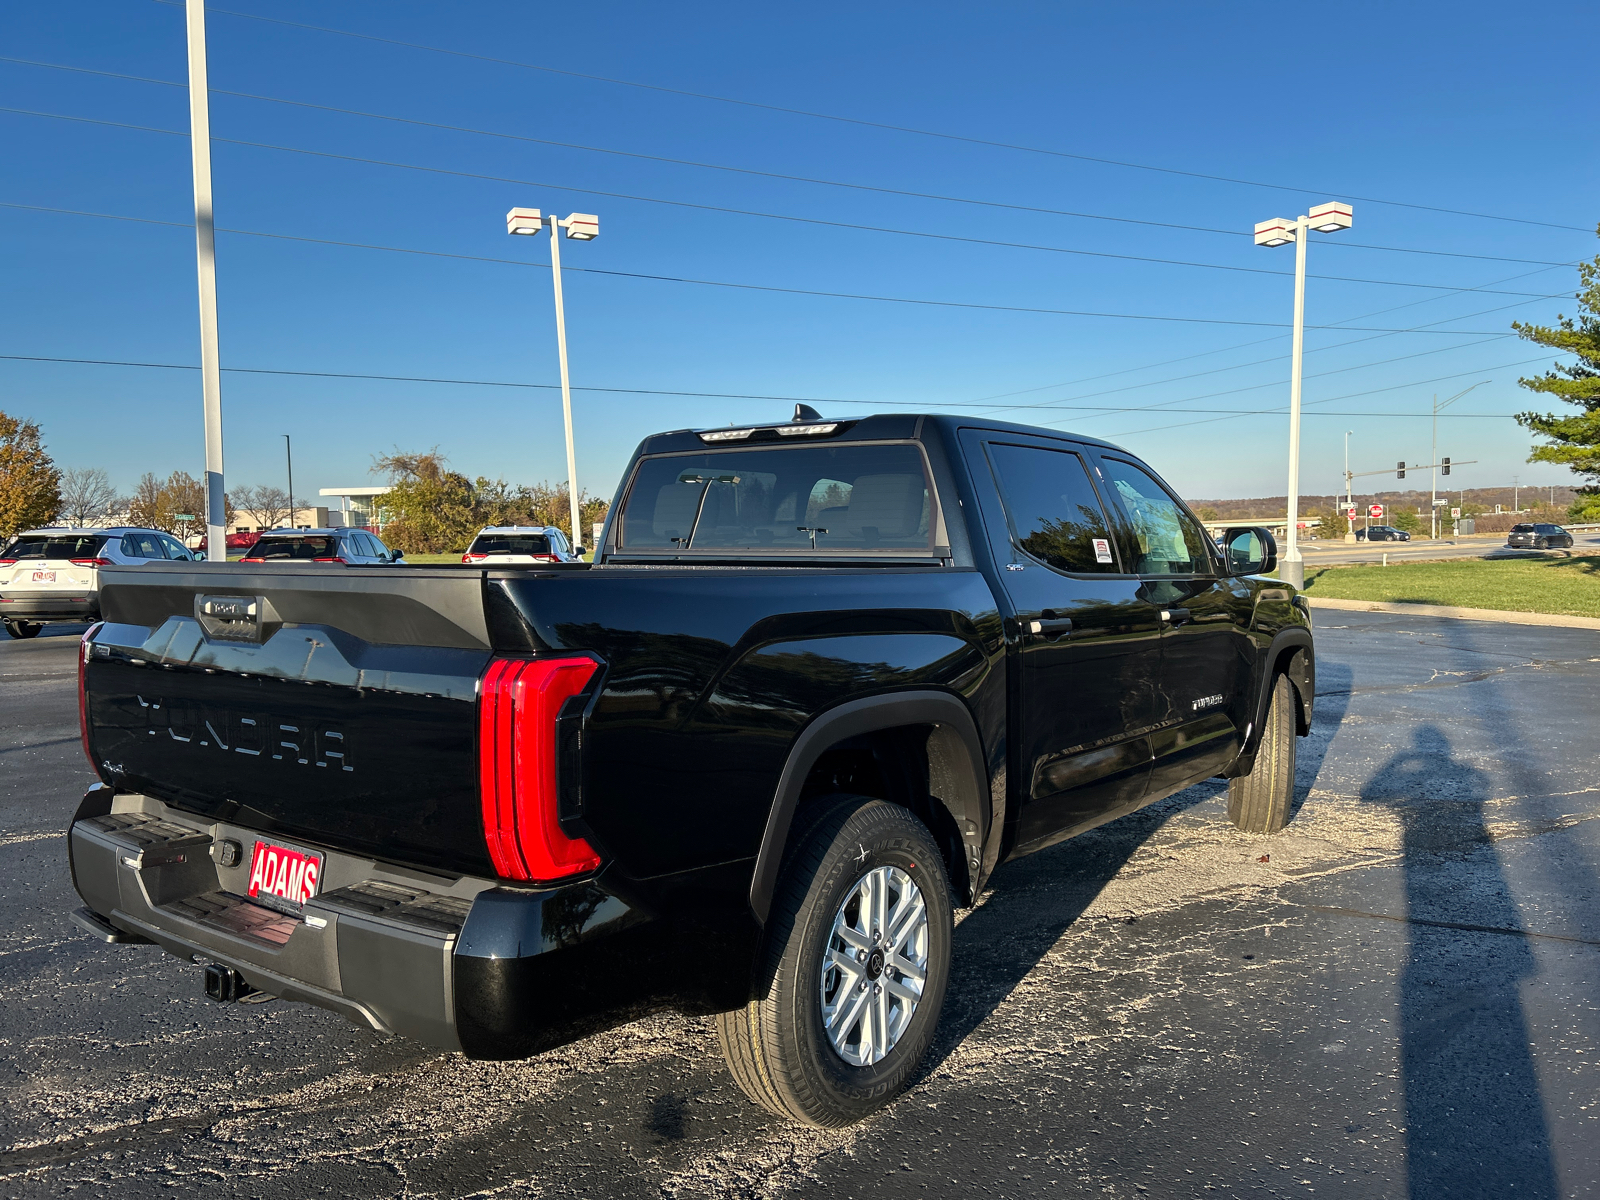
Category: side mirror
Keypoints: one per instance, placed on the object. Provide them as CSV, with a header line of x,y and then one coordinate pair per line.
x,y
1249,550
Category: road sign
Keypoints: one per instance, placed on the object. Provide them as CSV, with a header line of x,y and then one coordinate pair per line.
x,y
1375,511
183,516
1350,512
1455,514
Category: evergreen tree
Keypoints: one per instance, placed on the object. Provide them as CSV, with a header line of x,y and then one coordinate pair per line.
x,y
1575,438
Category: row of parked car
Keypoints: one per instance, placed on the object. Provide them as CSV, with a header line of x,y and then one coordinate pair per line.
x,y
54,574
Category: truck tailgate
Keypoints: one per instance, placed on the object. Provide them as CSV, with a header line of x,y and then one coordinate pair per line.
x,y
334,706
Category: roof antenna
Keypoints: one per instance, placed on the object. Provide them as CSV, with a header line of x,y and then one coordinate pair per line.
x,y
804,412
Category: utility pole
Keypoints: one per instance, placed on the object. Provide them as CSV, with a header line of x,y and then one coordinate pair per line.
x,y
1516,495
205,237
1434,522
1349,525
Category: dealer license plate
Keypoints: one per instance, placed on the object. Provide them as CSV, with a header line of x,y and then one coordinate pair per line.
x,y
44,576
284,878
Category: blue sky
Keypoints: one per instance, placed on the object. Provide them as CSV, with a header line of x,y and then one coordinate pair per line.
x,y
1460,107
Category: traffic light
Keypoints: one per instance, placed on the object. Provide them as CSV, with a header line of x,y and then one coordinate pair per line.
x,y
1445,463
1400,469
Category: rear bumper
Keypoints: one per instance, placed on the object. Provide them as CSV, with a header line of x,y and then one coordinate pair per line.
x,y
47,606
456,963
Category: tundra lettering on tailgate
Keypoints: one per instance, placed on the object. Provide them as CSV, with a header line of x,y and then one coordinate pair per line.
x,y
255,735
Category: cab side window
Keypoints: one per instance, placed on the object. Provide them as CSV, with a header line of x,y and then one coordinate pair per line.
x,y
1166,540
1053,509
174,549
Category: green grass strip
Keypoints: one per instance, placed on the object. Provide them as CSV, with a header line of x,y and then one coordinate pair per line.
x,y
1563,586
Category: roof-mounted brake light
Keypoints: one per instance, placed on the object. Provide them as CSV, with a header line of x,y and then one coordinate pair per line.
x,y
726,435
807,430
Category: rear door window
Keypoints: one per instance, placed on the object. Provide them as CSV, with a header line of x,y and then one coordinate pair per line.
x,y
1166,540
142,545
1053,509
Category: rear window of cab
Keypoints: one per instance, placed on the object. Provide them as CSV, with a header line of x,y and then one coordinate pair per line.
x,y
854,499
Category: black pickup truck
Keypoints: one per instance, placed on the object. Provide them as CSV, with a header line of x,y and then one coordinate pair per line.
x,y
822,678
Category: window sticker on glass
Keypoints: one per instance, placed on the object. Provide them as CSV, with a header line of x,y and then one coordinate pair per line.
x,y
1102,550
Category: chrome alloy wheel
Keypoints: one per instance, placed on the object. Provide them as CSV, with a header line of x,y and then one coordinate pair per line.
x,y
875,966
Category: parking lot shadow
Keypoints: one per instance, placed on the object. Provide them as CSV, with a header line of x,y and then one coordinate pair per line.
x,y
1028,906
1033,901
1475,1123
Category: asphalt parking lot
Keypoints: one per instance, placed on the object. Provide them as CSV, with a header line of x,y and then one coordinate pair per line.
x,y
1397,996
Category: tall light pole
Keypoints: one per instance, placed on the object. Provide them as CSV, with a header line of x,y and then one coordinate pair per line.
x,y
1324,218
581,227
206,257
288,458
1433,512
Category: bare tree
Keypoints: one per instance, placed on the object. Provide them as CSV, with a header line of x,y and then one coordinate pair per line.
x,y
270,505
86,495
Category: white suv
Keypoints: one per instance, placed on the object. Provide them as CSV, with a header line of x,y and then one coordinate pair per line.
x,y
511,544
54,574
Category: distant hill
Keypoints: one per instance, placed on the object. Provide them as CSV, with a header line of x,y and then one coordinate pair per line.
x,y
1417,499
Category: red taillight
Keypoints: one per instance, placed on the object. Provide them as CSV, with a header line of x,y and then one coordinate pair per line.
x,y
8,562
90,562
83,690
252,560
517,749
471,557
333,559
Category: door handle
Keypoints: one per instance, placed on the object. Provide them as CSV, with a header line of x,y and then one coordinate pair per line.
x,y
1050,626
1174,617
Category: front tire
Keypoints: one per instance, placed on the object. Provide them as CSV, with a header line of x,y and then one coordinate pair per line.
x,y
853,972
1260,801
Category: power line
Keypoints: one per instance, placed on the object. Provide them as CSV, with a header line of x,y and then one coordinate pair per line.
x,y
859,121
743,212
1267,412
835,183
501,383
1260,341
753,286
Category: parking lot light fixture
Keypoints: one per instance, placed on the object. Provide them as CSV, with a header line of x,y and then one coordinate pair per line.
x,y
1329,217
580,227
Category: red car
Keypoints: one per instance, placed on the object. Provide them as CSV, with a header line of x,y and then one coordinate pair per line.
x,y
242,540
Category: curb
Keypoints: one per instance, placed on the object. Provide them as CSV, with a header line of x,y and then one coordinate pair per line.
x,y
1459,614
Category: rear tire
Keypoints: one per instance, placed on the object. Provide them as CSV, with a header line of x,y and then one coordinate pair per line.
x,y
23,629
1260,801
779,1046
